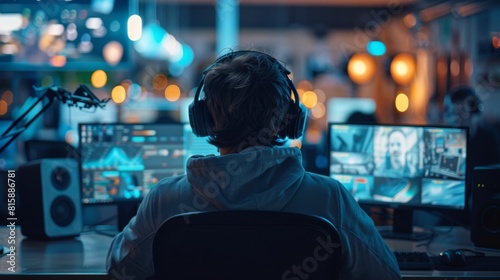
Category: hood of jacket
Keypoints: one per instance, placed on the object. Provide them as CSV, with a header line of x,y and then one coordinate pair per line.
x,y
263,178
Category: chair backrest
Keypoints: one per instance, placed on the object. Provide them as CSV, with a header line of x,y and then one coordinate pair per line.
x,y
246,245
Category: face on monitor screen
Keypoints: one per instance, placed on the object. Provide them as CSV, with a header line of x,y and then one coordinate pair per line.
x,y
413,165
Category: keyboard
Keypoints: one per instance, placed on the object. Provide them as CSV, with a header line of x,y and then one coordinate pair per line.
x,y
413,260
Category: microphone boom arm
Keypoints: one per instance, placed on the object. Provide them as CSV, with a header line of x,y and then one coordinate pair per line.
x,y
82,98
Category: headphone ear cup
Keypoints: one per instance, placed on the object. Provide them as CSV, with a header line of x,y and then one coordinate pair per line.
x,y
297,115
199,118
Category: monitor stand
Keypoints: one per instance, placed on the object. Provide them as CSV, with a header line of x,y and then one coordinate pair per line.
x,y
402,227
126,210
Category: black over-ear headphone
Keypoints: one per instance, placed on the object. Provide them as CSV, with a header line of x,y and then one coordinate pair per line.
x,y
200,118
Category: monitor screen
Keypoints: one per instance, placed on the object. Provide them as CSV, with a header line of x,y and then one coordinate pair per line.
x,y
121,162
400,166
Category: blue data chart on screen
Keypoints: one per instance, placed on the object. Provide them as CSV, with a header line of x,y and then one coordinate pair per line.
x,y
123,161
396,164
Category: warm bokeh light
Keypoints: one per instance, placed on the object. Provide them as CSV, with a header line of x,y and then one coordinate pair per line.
x,y
468,67
495,40
403,68
3,107
172,93
300,92
118,94
9,49
160,81
314,136
304,85
454,68
126,84
442,67
309,99
113,52
361,68
70,136
321,95
134,27
46,43
318,111
99,78
58,60
410,20
8,97
402,102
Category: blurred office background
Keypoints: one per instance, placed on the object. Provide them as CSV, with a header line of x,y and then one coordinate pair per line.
x,y
393,58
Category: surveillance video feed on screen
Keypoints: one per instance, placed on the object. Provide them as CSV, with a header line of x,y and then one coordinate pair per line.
x,y
123,161
414,165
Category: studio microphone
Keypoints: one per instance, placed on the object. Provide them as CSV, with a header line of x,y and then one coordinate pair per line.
x,y
82,98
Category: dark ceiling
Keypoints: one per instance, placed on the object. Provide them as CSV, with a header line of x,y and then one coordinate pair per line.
x,y
276,16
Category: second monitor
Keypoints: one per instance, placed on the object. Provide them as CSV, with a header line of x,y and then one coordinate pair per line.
x,y
400,166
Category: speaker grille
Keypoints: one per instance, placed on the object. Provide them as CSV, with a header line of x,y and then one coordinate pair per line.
x,y
490,219
62,211
60,178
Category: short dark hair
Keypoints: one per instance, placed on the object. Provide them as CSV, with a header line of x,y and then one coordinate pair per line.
x,y
248,97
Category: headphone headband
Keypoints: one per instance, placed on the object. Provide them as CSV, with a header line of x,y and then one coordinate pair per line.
x,y
239,53
201,120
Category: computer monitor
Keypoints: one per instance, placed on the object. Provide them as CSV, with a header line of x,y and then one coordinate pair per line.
x,y
403,167
120,162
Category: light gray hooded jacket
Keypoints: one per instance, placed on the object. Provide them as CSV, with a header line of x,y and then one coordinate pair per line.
x,y
258,178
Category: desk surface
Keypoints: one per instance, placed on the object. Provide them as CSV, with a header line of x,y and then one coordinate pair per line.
x,y
447,238
86,254
83,255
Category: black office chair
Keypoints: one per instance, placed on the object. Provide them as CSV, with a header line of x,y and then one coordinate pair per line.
x,y
246,245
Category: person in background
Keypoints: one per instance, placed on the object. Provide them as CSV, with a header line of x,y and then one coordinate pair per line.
x,y
359,117
462,107
248,117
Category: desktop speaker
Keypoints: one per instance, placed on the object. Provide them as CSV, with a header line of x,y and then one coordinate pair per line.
x,y
485,230
49,195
